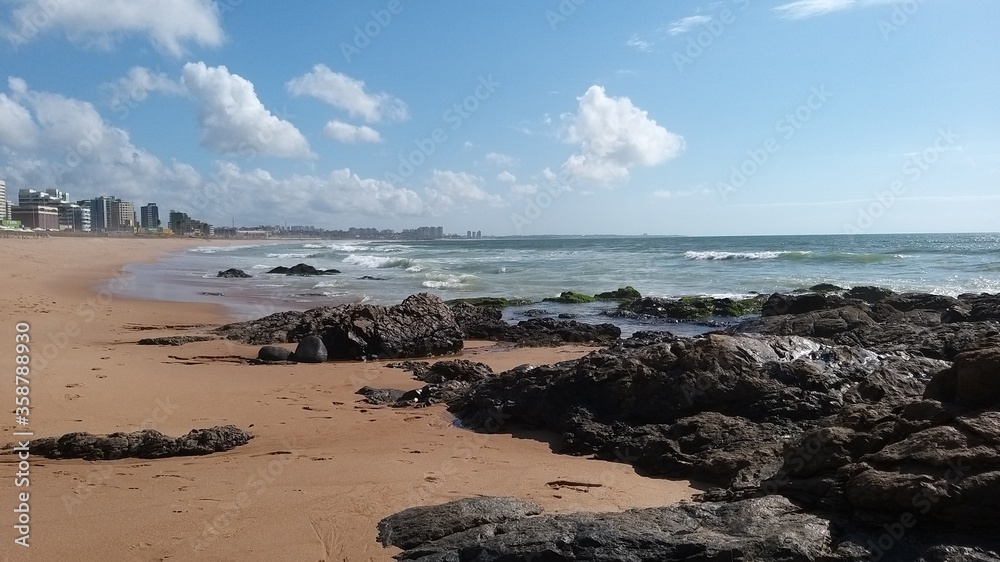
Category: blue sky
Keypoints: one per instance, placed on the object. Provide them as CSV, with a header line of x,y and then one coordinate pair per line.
x,y
550,117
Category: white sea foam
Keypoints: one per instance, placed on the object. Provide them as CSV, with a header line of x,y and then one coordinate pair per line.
x,y
449,281
376,262
217,249
289,255
770,255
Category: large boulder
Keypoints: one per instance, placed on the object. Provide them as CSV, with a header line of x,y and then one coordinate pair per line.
x,y
421,326
273,353
310,350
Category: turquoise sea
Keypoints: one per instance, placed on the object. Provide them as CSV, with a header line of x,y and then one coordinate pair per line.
x,y
540,267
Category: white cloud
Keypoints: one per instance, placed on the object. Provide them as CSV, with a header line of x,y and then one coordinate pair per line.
x,y
673,194
136,86
506,177
350,134
639,44
802,9
614,136
17,128
524,189
78,152
502,160
233,119
348,94
684,25
450,190
100,23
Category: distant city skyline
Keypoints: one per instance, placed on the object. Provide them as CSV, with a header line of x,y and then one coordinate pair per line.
x,y
705,117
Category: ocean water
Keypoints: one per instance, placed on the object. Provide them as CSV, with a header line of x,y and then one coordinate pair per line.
x,y
540,267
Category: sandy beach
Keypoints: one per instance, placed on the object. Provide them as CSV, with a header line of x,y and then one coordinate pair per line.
x,y
323,467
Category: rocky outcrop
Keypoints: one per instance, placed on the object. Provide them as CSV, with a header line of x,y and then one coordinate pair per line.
x,y
145,444
421,326
689,308
175,340
767,529
302,269
486,322
234,273
869,426
718,407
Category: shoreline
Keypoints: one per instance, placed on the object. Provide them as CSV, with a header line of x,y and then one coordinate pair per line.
x,y
304,487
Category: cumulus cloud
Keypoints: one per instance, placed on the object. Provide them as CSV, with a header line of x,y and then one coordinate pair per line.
x,y
76,151
346,93
350,134
136,86
233,119
684,25
101,23
614,136
506,177
312,198
499,159
802,9
449,190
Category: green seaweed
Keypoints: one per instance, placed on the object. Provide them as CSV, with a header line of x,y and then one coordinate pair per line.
x,y
493,302
569,297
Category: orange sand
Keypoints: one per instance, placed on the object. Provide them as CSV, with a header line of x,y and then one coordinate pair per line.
x,y
321,472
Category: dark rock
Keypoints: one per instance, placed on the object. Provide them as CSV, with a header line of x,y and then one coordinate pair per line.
x,y
420,326
145,444
420,525
547,332
906,302
302,269
370,278
454,370
779,304
234,273
479,322
826,288
956,314
973,381
566,316
310,349
627,293
273,353
870,295
380,396
769,529
717,406
535,313
495,302
175,340
983,307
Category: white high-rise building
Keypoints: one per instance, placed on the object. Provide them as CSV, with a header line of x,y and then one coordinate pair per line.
x,y
4,207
